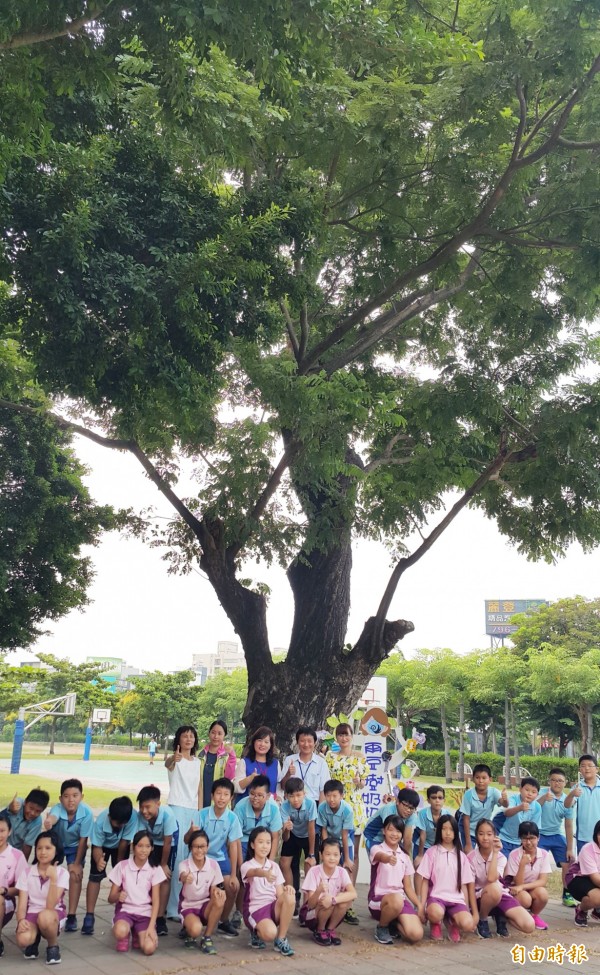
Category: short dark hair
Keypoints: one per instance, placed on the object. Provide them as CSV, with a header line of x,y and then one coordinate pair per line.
x,y
70,784
410,796
120,810
180,731
147,793
587,758
38,796
223,783
434,789
529,780
198,834
293,785
260,782
394,821
333,785
219,721
329,841
528,828
482,768
306,729
49,834
141,833
5,818
558,771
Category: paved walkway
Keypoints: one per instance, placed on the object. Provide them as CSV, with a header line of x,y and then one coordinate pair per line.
x,y
118,774
358,955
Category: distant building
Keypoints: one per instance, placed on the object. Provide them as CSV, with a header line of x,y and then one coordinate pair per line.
x,y
227,659
117,674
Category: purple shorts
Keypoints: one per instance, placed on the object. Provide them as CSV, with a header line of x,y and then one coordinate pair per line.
x,y
375,909
61,912
137,922
266,913
450,908
199,912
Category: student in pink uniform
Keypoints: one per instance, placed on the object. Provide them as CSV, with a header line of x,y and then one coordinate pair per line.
x,y
12,865
41,910
393,901
584,880
450,892
136,892
328,892
202,896
488,864
268,901
527,873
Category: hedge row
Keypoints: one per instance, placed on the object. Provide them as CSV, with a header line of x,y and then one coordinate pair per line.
x,y
432,763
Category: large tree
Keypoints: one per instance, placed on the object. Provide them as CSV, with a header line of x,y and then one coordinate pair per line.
x,y
346,280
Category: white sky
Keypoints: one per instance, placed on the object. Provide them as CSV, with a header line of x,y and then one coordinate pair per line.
x,y
156,621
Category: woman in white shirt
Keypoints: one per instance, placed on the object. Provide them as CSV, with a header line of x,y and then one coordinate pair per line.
x,y
184,783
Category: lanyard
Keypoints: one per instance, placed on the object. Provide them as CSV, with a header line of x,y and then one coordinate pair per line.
x,y
304,774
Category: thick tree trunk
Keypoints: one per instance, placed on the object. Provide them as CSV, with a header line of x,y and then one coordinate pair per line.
x,y
586,724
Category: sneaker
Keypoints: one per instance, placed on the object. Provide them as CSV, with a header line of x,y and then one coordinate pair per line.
x,y
123,944
581,918
71,922
453,932
161,927
237,919
383,936
182,934
435,932
539,922
283,946
502,928
256,941
190,943
333,938
1,947
483,929
350,917
88,924
322,938
53,955
394,929
207,946
595,914
33,951
227,929
569,901
296,908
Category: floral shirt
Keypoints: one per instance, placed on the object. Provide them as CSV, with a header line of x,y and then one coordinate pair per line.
x,y
345,768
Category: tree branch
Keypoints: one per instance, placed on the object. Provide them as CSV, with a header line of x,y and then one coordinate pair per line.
x,y
499,461
386,456
26,40
126,445
538,242
289,325
570,144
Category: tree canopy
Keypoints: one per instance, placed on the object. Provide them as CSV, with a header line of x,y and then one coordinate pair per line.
x,y
343,256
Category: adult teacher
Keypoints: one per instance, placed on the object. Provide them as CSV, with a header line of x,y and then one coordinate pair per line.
x,y
183,768
350,768
216,760
258,758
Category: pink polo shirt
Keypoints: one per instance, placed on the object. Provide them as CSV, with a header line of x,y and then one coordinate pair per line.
x,y
259,891
38,888
440,866
589,859
480,867
12,865
196,892
137,882
541,864
338,881
388,878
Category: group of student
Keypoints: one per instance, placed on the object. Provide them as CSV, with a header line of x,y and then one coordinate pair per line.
x,y
230,864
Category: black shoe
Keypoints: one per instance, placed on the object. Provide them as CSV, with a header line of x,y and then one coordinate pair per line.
x,y
226,928
88,924
53,955
32,951
1,947
71,923
501,928
161,927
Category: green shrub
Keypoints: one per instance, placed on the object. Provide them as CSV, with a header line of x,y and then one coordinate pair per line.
x,y
432,763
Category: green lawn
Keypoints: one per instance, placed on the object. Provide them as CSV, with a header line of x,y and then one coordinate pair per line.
x,y
98,799
39,750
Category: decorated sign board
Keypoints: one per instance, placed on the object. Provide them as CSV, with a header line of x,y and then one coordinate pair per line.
x,y
499,614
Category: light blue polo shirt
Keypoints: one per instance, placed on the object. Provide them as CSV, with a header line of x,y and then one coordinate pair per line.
x,y
220,830
425,818
106,835
22,833
70,831
476,808
269,817
337,820
374,829
588,811
554,814
165,824
307,813
509,831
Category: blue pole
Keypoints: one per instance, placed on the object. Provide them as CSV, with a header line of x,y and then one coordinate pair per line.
x,y
15,763
88,743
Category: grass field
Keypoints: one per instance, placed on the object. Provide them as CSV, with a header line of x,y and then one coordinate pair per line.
x,y
98,799
39,749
